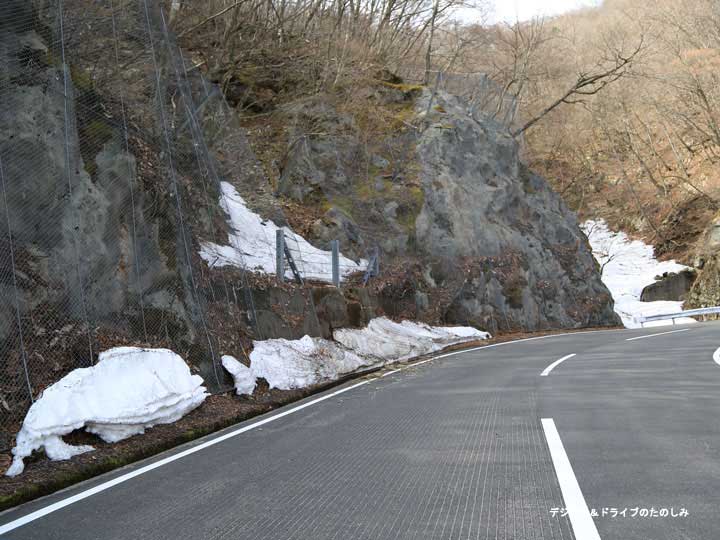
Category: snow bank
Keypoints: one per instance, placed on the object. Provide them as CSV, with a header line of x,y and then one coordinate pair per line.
x,y
128,390
628,267
288,364
252,244
393,341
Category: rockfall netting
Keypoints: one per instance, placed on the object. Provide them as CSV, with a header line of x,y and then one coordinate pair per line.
x,y
113,153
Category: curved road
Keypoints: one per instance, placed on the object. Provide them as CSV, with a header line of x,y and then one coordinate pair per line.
x,y
472,445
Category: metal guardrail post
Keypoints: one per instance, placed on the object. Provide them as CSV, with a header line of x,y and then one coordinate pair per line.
x,y
335,247
280,255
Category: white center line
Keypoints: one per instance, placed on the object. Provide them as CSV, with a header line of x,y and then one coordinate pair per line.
x,y
716,357
548,369
658,334
580,519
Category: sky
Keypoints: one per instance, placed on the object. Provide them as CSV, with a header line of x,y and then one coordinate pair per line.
x,y
510,10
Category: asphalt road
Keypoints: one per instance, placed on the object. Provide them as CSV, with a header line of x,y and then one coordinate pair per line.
x,y
458,447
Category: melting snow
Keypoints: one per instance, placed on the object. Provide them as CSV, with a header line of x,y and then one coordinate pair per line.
x,y
242,375
128,390
393,341
131,389
628,267
288,364
252,244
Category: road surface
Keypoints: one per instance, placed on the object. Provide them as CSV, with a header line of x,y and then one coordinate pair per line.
x,y
515,441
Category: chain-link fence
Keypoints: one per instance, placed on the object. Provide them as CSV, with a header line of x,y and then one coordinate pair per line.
x,y
113,154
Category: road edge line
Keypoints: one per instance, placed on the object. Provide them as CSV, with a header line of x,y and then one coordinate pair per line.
x,y
657,334
32,516
53,507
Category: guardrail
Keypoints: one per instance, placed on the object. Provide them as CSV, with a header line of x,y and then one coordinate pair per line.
x,y
688,313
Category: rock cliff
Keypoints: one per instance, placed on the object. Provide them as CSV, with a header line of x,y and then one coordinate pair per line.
x,y
111,162
705,291
449,193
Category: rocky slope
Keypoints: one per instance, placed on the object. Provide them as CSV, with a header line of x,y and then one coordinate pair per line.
x,y
447,194
88,235
110,187
482,202
705,291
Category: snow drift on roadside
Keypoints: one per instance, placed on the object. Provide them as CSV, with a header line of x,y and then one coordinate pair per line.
x,y
128,390
241,374
393,341
628,266
288,364
252,244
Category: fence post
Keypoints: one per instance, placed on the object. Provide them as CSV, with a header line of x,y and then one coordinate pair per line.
x,y
335,246
280,255
376,266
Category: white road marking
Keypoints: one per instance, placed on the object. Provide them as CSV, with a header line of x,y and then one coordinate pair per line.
x,y
716,357
580,519
125,477
19,522
521,340
423,362
548,369
658,334
390,372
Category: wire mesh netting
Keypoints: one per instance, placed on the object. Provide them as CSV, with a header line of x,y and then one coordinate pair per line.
x,y
113,152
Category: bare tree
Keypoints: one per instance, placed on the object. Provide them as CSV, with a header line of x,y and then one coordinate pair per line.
x,y
589,84
517,67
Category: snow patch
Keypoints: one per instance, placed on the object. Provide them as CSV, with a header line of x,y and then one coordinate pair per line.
x,y
128,390
252,244
394,341
288,364
242,375
628,266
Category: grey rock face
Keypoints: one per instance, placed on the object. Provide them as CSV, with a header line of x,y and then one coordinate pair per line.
x,y
321,151
337,225
498,247
670,286
482,203
16,14
87,253
712,236
705,291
